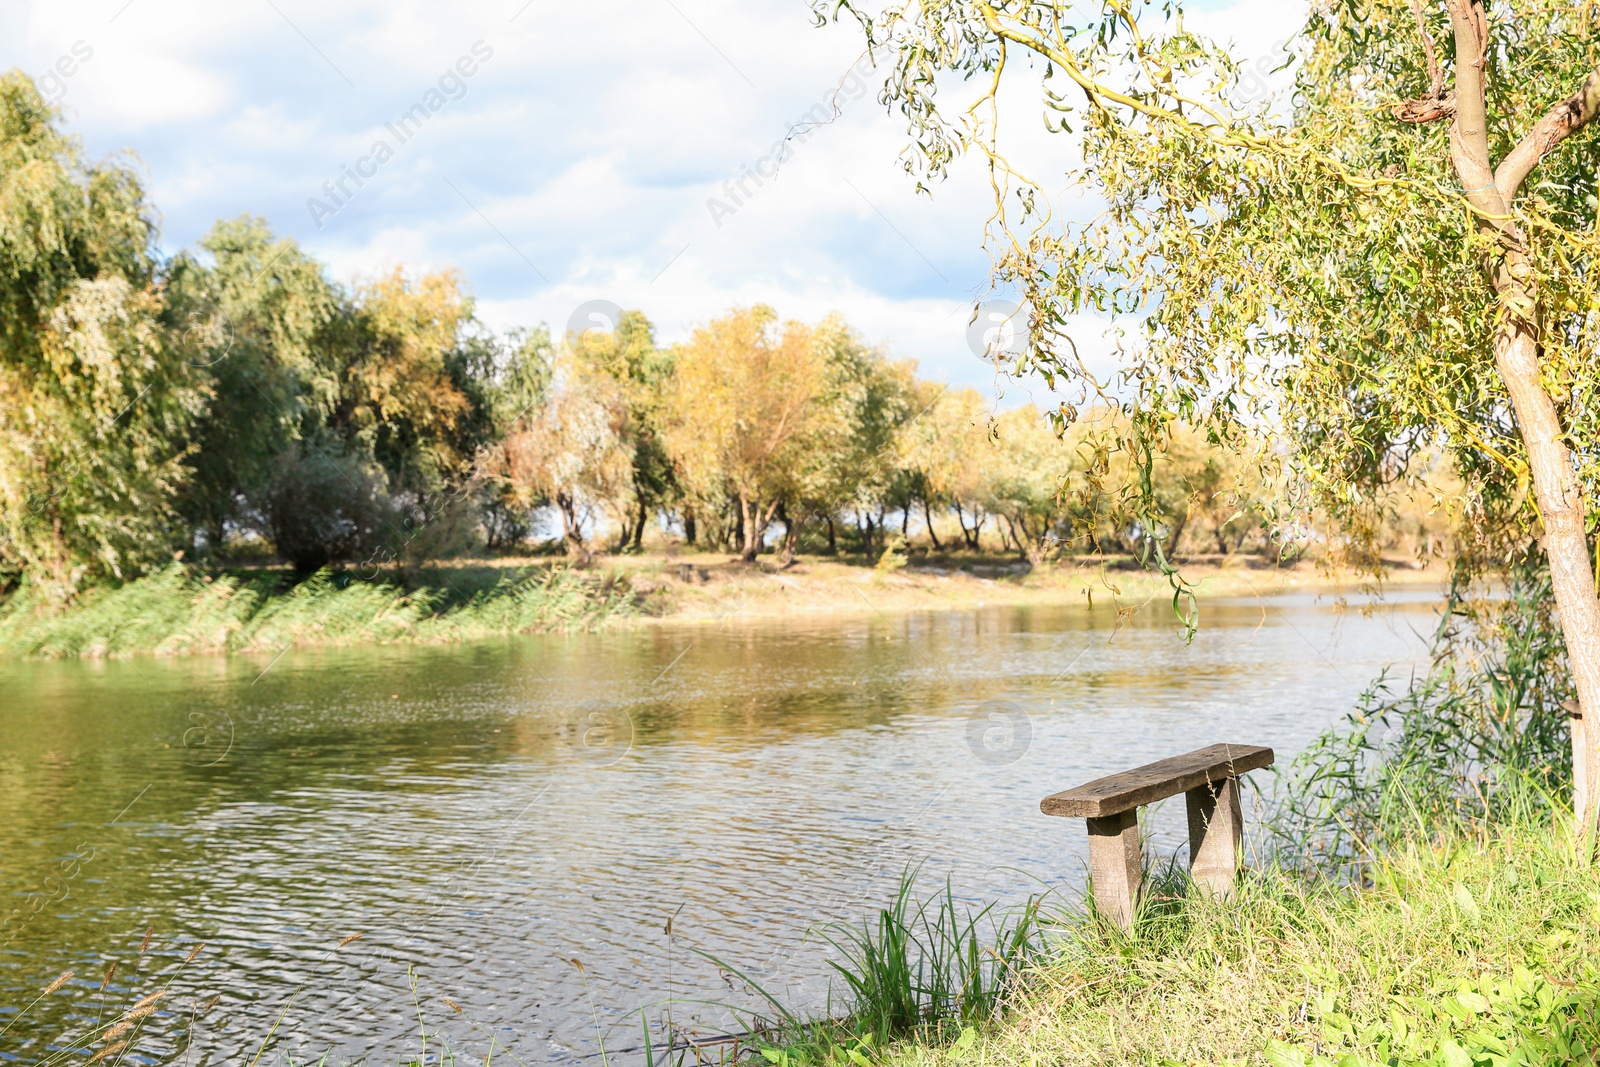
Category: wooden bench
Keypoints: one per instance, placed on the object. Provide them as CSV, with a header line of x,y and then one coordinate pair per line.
x,y
1209,777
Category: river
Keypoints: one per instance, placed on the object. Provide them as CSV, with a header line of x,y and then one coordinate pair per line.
x,y
509,825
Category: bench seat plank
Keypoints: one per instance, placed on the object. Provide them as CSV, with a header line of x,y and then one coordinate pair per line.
x,y
1117,793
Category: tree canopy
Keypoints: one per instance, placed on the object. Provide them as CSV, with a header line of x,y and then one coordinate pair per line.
x,y
234,402
96,401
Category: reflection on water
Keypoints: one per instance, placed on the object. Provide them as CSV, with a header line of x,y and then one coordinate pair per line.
x,y
489,817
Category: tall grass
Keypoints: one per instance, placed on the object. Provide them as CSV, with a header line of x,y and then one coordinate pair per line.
x,y
180,610
918,970
1477,944
1457,743
928,964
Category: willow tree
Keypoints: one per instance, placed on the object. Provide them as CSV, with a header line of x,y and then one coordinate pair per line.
x,y
1395,258
96,397
572,449
642,369
744,412
254,323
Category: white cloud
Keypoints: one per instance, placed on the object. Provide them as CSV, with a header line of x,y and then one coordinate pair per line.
x,y
588,146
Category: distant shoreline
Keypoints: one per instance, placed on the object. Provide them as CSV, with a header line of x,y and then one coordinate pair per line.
x,y
186,610
818,585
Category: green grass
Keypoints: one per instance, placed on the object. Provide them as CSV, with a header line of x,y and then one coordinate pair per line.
x,y
920,970
180,610
1476,949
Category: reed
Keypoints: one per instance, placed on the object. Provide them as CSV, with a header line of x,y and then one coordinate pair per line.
x,y
919,970
929,965
182,610
1478,736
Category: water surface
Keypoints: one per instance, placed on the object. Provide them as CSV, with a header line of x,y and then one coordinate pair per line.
x,y
511,824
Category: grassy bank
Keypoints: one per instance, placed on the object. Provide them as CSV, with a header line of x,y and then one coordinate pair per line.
x,y
1480,948
185,610
181,610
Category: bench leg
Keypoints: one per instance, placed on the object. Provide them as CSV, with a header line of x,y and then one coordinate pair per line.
x,y
1114,865
1216,836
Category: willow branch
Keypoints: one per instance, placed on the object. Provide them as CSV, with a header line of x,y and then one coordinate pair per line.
x,y
1469,136
1437,104
1559,123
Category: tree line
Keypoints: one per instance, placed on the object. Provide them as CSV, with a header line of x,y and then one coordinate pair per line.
x,y
235,394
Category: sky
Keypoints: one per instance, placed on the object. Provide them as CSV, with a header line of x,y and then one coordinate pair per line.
x,y
577,157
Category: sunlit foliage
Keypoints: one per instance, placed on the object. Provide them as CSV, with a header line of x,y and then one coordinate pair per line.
x,y
96,401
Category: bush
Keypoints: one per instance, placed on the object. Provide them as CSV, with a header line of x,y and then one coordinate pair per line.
x,y
326,505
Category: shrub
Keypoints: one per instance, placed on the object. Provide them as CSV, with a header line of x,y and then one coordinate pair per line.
x,y
326,505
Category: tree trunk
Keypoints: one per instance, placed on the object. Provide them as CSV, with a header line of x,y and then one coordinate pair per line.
x,y
927,517
638,530
756,523
1177,532
738,528
1003,525
1024,540
750,537
572,533
1559,495
625,534
791,539
833,538
688,526
1566,544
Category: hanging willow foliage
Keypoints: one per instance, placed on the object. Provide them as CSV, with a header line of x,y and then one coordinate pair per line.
x,y
1391,261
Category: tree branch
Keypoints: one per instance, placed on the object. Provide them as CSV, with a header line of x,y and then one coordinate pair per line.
x,y
1559,123
1436,104
1470,135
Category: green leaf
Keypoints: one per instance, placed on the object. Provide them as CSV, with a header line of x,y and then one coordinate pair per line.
x,y
1469,906
968,1037
1279,1054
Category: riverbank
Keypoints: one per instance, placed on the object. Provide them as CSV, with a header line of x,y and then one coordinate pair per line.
x,y
1469,949
709,587
184,610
